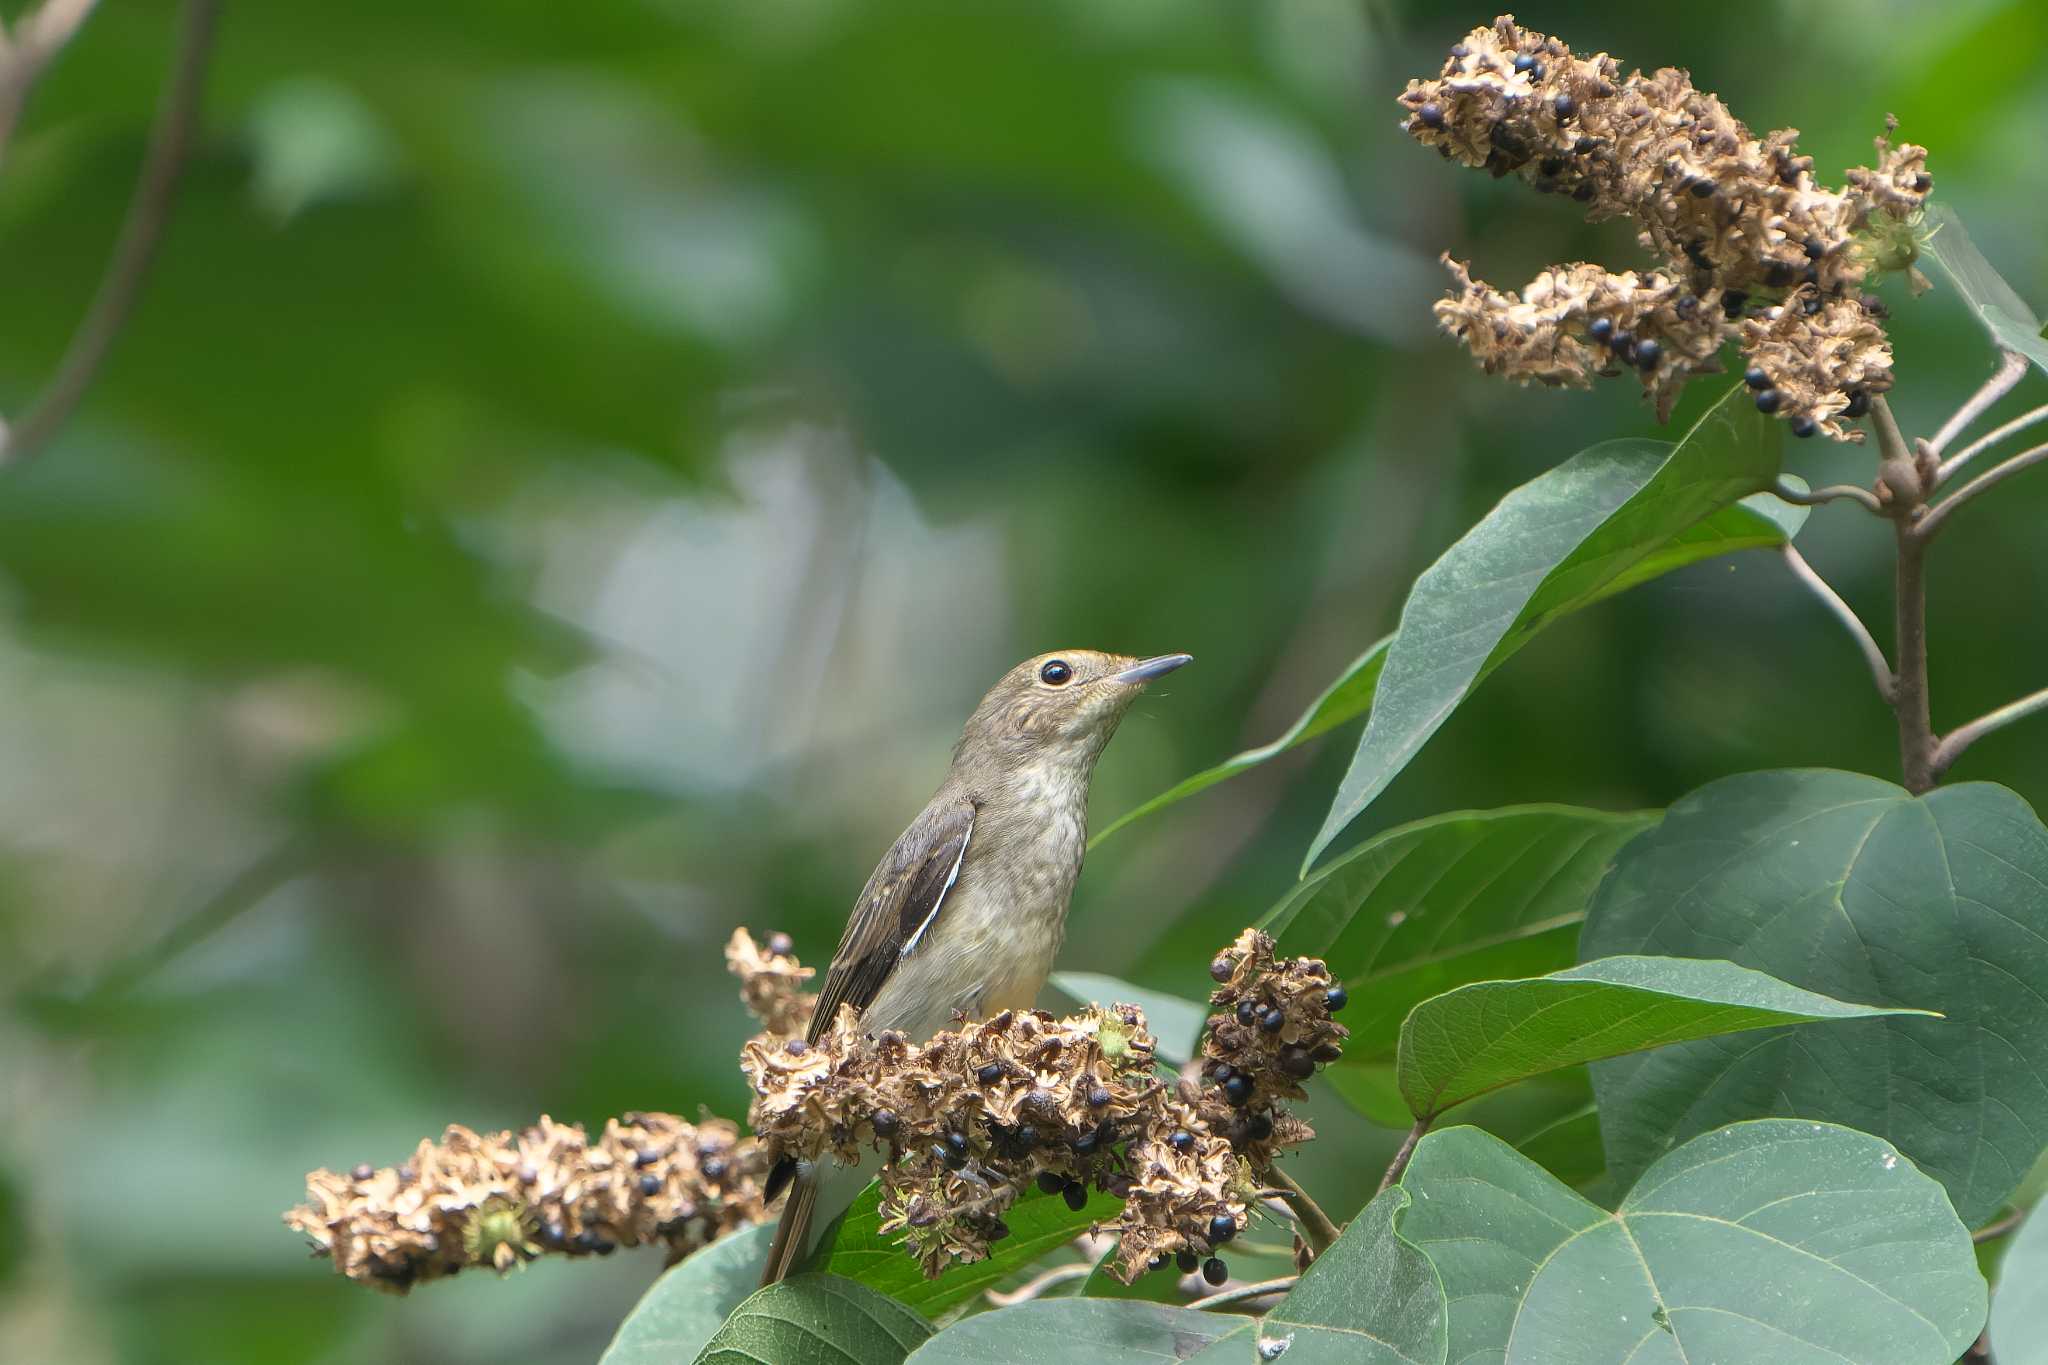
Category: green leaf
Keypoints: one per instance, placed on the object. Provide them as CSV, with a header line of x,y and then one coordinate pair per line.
x,y
855,1248
681,1311
821,1318
1766,1241
1372,1298
1082,1332
1552,546
1469,896
1175,1022
1345,699
2019,1306
1492,1033
1998,306
1850,886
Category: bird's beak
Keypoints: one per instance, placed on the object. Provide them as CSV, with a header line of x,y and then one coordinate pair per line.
x,y
1145,670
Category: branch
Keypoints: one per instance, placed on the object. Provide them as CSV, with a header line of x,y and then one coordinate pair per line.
x,y
1906,474
38,38
1246,1291
1316,1227
1991,477
1963,736
1880,669
1038,1284
1992,1231
1400,1161
2011,366
1785,492
148,210
1985,442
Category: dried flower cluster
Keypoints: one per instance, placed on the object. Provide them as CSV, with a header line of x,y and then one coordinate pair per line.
x,y
501,1199
972,1118
1752,246
771,982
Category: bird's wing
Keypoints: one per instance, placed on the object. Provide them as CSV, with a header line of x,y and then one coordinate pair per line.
x,y
897,908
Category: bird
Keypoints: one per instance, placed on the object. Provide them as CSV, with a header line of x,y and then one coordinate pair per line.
x,y
963,916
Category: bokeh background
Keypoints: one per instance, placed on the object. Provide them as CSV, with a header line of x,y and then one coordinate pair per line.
x,y
576,465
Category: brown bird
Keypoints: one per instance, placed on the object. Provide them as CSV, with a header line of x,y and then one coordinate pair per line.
x,y
964,915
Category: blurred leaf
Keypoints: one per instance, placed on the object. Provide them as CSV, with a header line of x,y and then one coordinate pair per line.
x,y
1772,1240
1175,1022
2019,1305
315,140
1998,306
1371,1299
1554,545
1081,1332
816,1317
855,1248
687,1305
1468,896
13,1228
1480,1037
1850,886
1373,1090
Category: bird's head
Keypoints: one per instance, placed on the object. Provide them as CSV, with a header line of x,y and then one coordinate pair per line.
x,y
1061,706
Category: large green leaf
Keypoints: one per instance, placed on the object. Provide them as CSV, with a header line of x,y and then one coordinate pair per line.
x,y
2019,1306
1998,306
855,1248
1552,546
685,1307
1766,1241
1756,522
1082,1332
1174,1021
1480,1037
1848,885
1371,1299
816,1318
1470,896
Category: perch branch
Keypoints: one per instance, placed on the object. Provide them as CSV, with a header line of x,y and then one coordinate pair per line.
x,y
2011,366
1407,1149
1990,478
1963,736
1317,1229
1785,492
1988,440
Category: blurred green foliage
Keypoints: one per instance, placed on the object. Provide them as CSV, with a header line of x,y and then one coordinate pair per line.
x,y
574,466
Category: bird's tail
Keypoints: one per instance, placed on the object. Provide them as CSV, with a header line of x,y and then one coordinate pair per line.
x,y
792,1234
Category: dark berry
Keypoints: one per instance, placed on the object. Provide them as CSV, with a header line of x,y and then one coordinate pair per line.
x,y
957,1143
1535,71
1260,1128
1117,1184
1097,1097
990,1074
1815,248
1296,1062
1327,1052
1584,193
645,1157
713,1169
1076,1195
1238,1089
553,1233
884,1122
1221,968
1802,426
1026,1137
1585,145
1648,353
1247,1013
1181,1140
1565,105
941,1154
1052,1182
1859,404
1336,998
998,1230
586,1240
1272,1021
1214,1271
1524,62
605,1246
1687,306
796,1047
1767,400
1600,329
1755,377
1222,1228
1432,116
1732,304
1550,165
1701,189
1622,342
1186,1261
650,1184
1085,1144
781,945
1810,305
1922,183
363,1171
1777,274
1159,1259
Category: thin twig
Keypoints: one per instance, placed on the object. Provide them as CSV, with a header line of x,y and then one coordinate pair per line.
x,y
1988,440
1909,604
148,210
2011,366
1880,668
1406,1150
1785,492
1992,1231
1038,1284
1227,1297
1997,474
1317,1229
37,38
1963,736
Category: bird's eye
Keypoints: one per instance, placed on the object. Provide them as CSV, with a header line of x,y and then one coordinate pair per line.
x,y
1055,673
